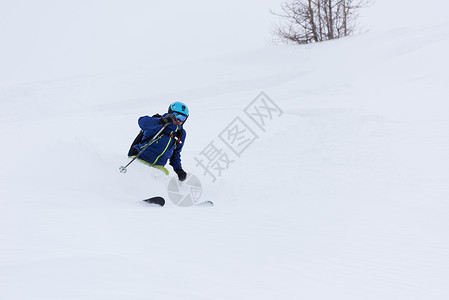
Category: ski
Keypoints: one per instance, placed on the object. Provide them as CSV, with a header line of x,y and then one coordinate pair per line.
x,y
159,201
205,203
156,201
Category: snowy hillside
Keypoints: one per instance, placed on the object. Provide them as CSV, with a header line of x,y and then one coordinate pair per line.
x,y
342,194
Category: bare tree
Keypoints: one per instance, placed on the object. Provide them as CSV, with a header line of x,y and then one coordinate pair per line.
x,y
308,21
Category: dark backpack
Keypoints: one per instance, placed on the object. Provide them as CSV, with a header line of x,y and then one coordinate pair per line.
x,y
138,140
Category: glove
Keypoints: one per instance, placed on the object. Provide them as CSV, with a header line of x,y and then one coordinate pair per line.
x,y
168,119
182,175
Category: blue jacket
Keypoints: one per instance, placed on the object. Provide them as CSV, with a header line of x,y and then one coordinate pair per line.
x,y
164,147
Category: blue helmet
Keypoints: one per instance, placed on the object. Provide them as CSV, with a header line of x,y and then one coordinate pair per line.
x,y
179,107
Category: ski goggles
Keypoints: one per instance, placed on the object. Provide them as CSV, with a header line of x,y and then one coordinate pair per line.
x,y
180,116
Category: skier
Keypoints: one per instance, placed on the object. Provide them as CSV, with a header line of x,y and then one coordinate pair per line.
x,y
168,145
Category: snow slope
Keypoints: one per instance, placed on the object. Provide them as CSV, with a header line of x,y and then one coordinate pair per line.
x,y
344,196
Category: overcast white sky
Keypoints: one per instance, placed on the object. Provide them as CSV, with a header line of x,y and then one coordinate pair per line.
x,y
51,39
43,37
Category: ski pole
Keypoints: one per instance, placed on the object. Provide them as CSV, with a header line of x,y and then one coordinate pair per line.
x,y
123,168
